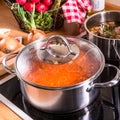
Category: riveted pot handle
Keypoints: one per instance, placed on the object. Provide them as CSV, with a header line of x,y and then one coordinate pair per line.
x,y
111,83
4,62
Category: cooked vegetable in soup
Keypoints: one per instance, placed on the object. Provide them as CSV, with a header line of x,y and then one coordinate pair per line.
x,y
107,29
57,75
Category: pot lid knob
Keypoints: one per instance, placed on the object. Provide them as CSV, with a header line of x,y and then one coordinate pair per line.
x,y
58,41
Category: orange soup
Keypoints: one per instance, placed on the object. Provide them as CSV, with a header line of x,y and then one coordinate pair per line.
x,y
59,75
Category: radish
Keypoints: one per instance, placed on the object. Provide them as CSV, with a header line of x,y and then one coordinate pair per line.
x,y
21,2
48,2
28,7
35,1
40,7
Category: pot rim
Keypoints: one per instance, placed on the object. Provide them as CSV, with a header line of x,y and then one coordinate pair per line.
x,y
103,12
89,80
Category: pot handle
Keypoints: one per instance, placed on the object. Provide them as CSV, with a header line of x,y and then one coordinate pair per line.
x,y
115,49
4,62
111,83
64,40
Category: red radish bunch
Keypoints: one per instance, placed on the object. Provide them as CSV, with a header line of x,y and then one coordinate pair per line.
x,y
35,1
21,2
47,2
28,7
29,13
40,5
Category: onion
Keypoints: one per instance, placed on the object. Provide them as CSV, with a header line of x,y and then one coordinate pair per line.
x,y
35,35
9,44
12,44
2,44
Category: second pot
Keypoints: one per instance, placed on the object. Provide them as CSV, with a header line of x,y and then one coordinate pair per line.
x,y
109,46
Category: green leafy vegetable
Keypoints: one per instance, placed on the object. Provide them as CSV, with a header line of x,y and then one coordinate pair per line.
x,y
44,21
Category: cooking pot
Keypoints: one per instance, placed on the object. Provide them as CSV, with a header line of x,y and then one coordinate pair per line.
x,y
64,50
109,46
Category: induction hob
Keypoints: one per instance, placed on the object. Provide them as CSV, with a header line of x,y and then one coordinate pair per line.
x,y
105,107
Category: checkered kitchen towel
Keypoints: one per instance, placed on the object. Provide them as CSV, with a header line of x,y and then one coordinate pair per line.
x,y
75,10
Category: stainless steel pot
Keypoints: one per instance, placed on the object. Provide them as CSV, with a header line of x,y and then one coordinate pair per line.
x,y
60,99
109,47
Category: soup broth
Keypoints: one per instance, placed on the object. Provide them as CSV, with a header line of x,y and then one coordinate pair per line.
x,y
107,29
58,75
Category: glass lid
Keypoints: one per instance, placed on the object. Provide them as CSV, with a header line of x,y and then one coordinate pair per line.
x,y
63,58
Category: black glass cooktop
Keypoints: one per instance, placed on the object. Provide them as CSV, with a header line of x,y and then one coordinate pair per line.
x,y
105,107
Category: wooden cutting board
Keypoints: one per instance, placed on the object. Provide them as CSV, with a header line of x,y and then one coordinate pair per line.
x,y
9,111
7,114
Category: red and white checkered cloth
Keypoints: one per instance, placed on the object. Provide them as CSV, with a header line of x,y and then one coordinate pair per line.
x,y
75,10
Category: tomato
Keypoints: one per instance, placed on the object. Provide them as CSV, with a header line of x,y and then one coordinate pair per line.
x,y
21,2
40,7
48,2
28,7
